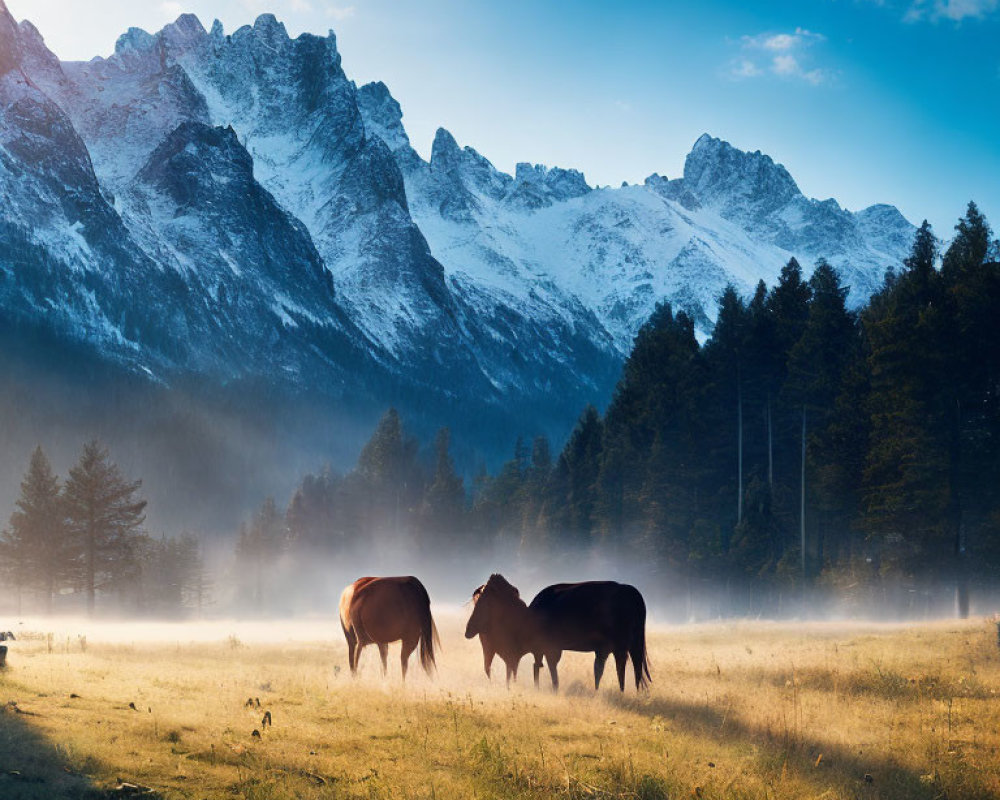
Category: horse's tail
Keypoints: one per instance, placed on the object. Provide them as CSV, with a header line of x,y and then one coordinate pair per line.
x,y
637,647
428,630
345,607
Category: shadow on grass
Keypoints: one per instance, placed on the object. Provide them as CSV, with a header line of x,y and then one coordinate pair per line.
x,y
848,768
31,767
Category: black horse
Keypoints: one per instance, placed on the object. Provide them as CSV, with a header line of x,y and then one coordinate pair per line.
x,y
602,617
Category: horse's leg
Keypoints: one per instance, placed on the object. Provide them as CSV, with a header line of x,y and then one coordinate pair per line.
x,y
600,659
553,659
352,643
537,667
621,661
488,655
383,653
406,650
511,672
357,657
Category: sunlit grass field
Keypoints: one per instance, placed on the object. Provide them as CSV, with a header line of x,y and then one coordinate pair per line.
x,y
741,710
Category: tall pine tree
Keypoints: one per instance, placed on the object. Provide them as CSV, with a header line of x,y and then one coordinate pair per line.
x,y
907,483
104,514
816,366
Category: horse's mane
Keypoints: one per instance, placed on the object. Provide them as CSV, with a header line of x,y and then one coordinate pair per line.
x,y
500,585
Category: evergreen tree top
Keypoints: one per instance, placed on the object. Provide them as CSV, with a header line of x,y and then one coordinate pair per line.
x,y
970,247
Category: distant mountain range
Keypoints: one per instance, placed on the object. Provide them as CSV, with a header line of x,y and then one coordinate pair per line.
x,y
232,209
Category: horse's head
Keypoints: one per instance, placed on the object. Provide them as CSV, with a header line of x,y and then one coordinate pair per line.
x,y
492,596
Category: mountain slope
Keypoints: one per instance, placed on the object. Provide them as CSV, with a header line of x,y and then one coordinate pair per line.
x,y
231,208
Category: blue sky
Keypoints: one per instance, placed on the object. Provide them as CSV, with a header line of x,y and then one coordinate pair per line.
x,y
862,100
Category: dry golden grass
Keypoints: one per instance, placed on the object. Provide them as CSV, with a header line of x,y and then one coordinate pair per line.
x,y
741,710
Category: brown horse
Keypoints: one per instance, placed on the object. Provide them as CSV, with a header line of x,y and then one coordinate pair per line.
x,y
602,617
496,625
383,610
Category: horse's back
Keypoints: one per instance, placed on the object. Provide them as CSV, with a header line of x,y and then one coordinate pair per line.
x,y
589,615
404,589
570,597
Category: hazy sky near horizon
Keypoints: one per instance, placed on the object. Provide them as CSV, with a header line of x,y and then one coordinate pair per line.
x,y
894,101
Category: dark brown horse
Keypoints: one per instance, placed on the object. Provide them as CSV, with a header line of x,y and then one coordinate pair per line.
x,y
383,610
602,617
496,624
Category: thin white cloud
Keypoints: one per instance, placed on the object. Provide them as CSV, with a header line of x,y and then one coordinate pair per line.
x,y
786,64
951,10
280,7
782,42
340,13
171,9
745,68
784,55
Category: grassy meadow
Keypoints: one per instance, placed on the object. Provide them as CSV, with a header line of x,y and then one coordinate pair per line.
x,y
736,710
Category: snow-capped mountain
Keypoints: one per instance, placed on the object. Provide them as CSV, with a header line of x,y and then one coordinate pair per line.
x,y
233,206
733,217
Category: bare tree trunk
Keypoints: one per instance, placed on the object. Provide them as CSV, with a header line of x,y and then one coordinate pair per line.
x,y
770,452
961,565
739,419
91,569
962,588
259,588
802,499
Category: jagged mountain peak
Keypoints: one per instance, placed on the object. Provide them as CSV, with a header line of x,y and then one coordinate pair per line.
x,y
30,33
268,30
532,186
200,181
177,37
134,40
883,212
270,25
378,93
720,174
383,114
536,185
672,190
10,50
184,32
463,174
201,148
444,150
